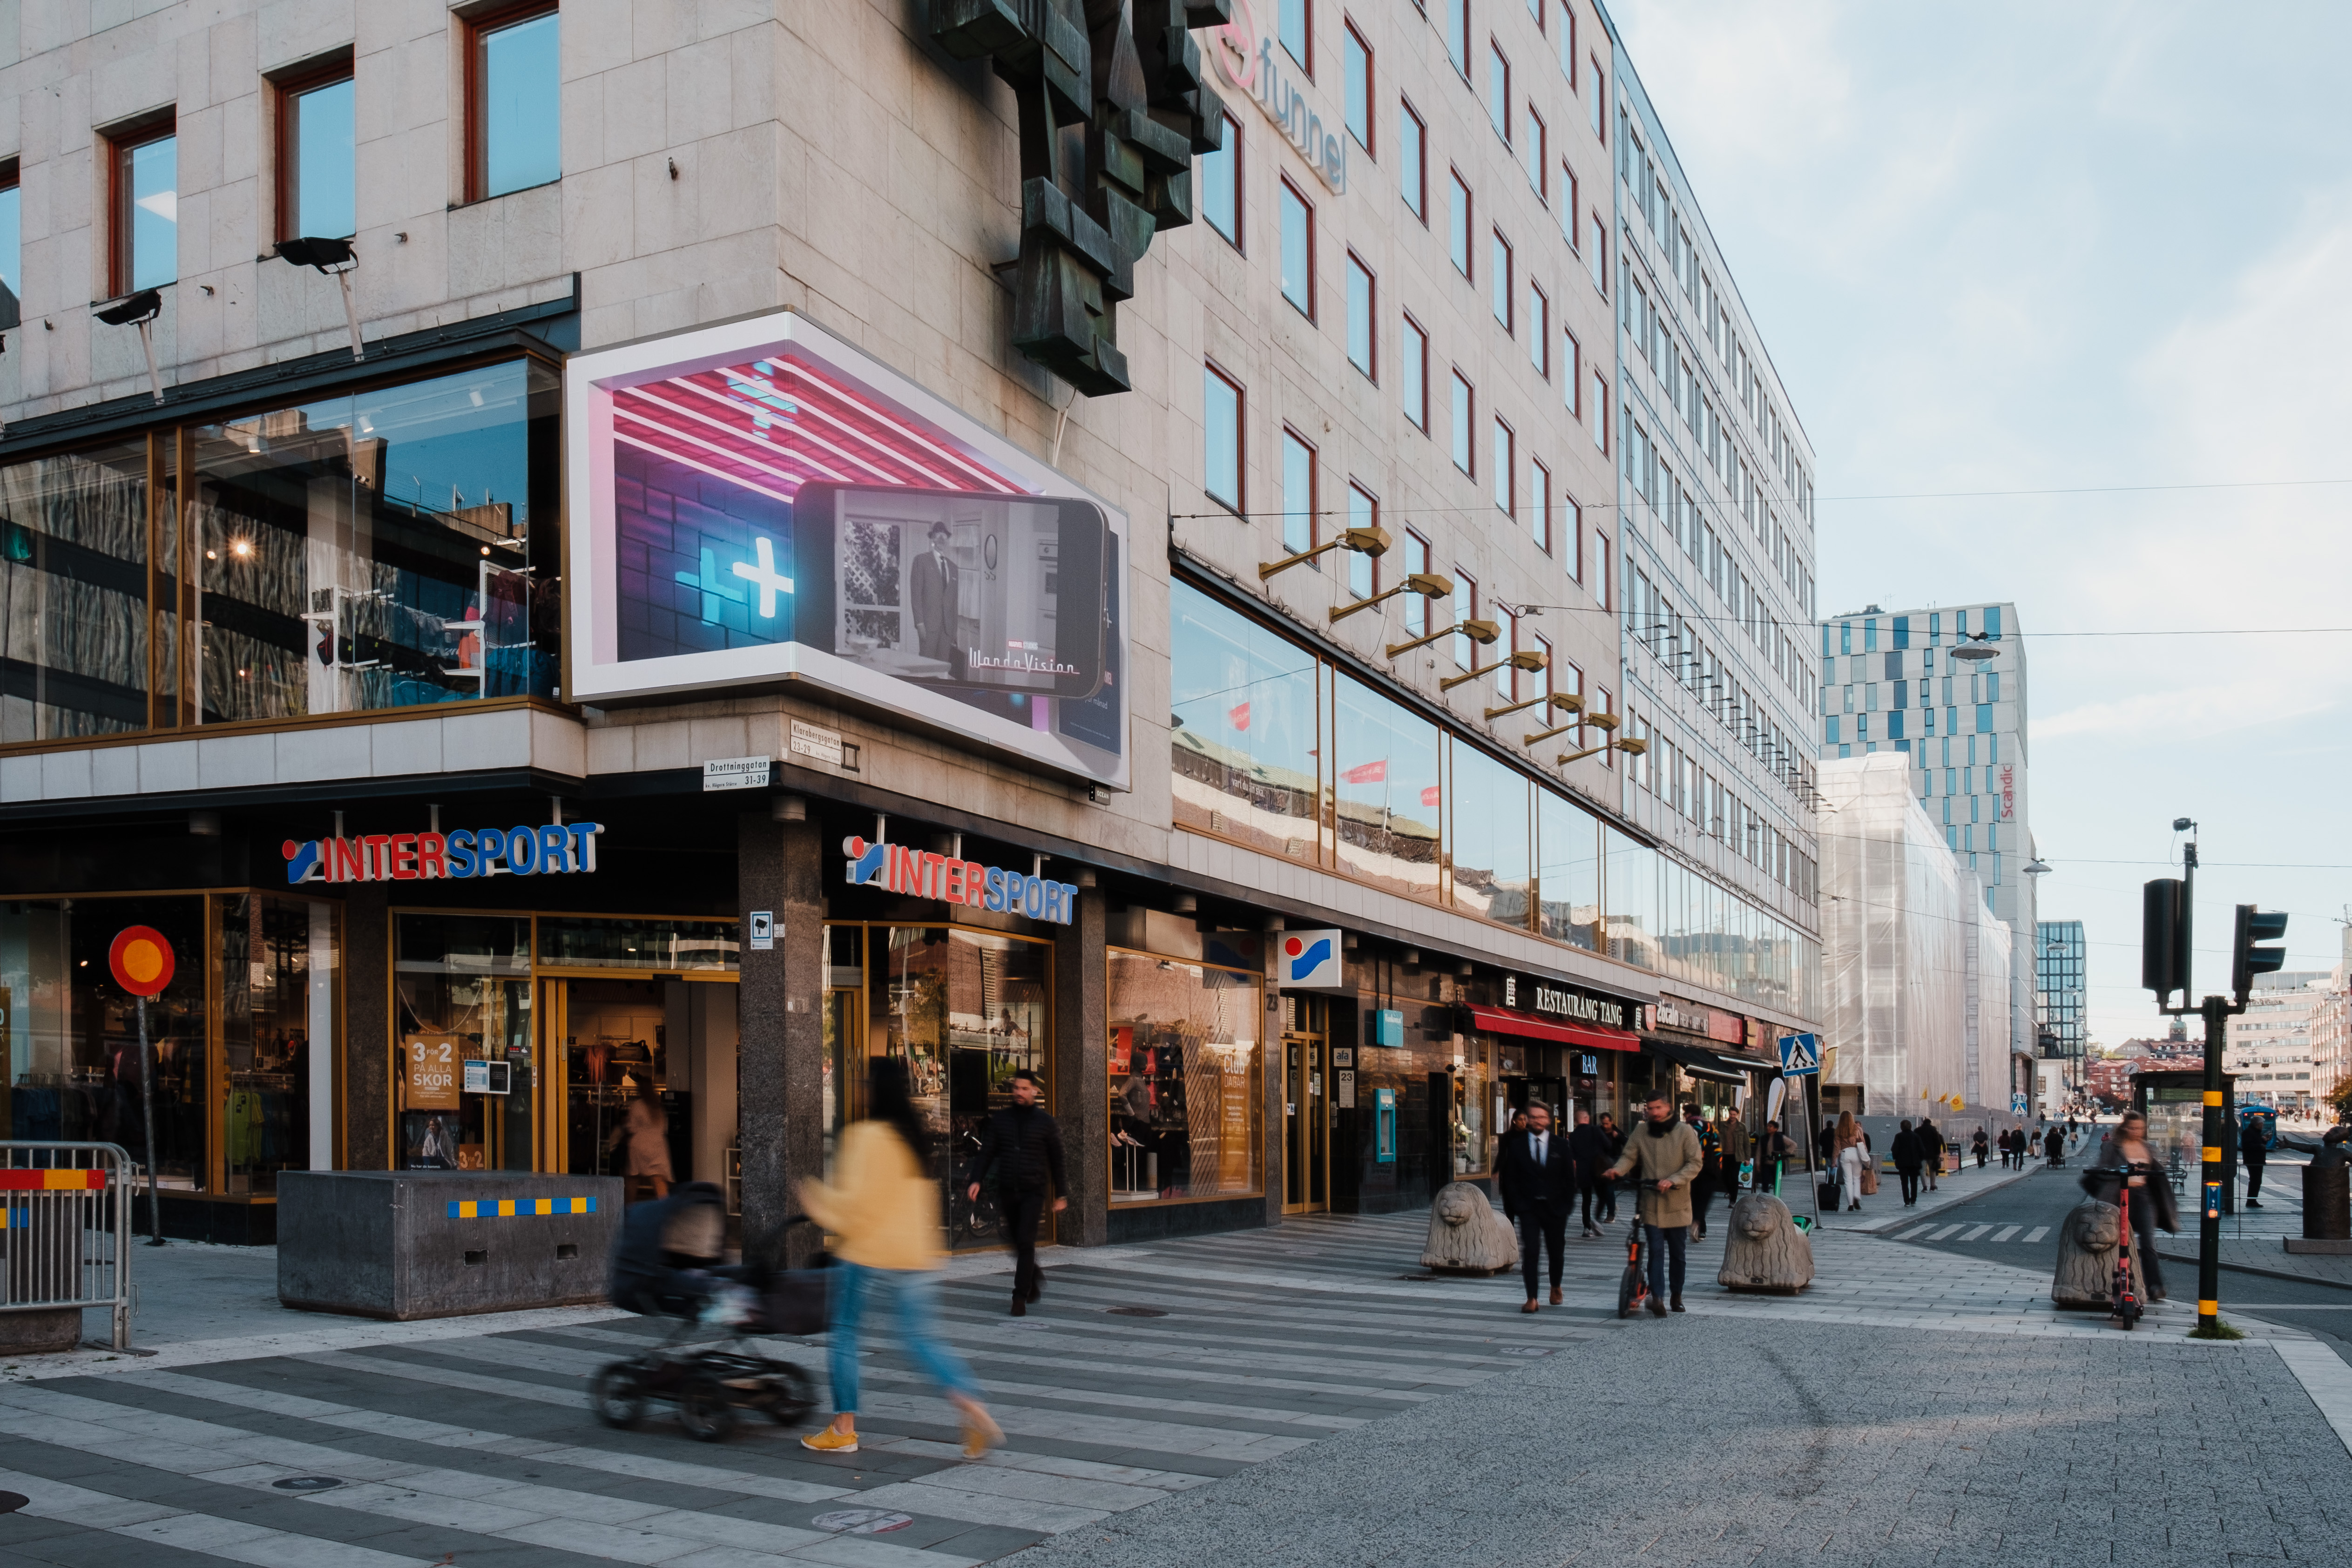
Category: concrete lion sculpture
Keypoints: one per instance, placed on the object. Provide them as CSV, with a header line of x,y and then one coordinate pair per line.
x,y
1465,1235
2086,1256
1765,1251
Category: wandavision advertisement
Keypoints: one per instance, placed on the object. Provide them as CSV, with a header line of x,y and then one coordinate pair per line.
x,y
764,505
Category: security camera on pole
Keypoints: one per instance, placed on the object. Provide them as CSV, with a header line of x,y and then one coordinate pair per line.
x,y
2166,918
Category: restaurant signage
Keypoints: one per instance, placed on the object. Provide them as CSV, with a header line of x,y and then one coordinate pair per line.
x,y
1556,999
554,849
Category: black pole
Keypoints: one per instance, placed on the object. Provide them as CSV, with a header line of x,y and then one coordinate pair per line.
x,y
2209,1228
147,1110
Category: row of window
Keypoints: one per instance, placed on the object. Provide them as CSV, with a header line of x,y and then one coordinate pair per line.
x,y
1838,636
1899,727
1524,491
1682,783
512,142
1654,623
1980,688
1279,751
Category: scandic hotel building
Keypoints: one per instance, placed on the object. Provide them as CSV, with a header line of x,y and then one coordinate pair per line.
x,y
849,535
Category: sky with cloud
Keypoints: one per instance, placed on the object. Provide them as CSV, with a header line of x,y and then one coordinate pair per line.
x,y
2099,251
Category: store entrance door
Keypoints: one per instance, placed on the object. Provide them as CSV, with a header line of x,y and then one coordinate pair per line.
x,y
666,1045
1306,1105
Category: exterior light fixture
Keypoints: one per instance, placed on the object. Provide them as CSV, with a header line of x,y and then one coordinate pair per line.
x,y
139,310
1566,701
333,258
1531,661
1480,632
2036,868
1977,649
1428,584
1372,542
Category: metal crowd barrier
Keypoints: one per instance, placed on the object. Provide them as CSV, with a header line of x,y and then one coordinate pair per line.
x,y
65,1229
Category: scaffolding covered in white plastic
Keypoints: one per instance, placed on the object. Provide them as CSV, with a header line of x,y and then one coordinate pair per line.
x,y
1989,952
1897,930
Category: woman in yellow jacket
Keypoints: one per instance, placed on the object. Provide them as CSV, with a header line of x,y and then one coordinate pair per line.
x,y
882,1210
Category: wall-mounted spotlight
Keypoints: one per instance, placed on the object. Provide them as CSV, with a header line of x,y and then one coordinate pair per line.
x,y
1480,632
1428,584
138,310
1566,701
1372,542
333,258
1630,747
1528,661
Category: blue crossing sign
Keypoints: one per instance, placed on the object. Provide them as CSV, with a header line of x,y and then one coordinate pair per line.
x,y
2016,1105
1801,1055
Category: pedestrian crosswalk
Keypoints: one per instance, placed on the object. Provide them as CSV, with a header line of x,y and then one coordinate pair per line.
x,y
1966,1232
482,1448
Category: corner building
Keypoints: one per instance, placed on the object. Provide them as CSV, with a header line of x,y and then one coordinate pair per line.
x,y
667,552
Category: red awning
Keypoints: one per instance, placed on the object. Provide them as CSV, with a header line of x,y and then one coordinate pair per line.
x,y
1591,1036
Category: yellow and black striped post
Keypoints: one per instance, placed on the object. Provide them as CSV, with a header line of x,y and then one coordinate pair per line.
x,y
2208,1230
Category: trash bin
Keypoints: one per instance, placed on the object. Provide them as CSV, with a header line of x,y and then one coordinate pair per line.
x,y
441,1243
2327,1203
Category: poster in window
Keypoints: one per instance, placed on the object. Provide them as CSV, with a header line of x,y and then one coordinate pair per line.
x,y
430,1064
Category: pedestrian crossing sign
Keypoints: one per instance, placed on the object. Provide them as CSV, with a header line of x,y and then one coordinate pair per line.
x,y
2016,1105
1801,1055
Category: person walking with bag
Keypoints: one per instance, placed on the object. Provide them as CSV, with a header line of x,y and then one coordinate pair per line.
x,y
1616,1136
1847,1142
1588,1147
2256,1150
1025,1146
1662,1158
1931,1148
1536,1175
882,1210
1981,1146
1907,1154
1710,1179
1772,1149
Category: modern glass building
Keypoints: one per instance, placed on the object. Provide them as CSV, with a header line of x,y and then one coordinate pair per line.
x,y
2059,954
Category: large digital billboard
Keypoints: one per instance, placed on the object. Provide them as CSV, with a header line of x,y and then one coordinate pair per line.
x,y
758,504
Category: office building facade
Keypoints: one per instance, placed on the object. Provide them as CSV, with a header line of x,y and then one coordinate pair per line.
x,y
557,577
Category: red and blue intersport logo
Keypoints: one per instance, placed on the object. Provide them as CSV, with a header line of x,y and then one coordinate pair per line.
x,y
1311,960
550,849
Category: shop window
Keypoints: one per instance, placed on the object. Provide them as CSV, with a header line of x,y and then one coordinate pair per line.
x,y
12,246
1630,897
73,595
391,549
1478,1110
568,941
1186,1080
1242,748
70,1035
514,92
1568,870
276,963
1488,846
462,993
1386,793
965,1010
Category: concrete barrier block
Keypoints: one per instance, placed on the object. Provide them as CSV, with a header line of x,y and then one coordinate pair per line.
x,y
442,1244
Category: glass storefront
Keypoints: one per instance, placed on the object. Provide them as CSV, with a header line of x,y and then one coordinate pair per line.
x,y
1186,1079
369,550
228,1117
462,993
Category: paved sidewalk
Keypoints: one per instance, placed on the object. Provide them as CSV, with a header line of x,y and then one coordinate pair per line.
x,y
2265,1257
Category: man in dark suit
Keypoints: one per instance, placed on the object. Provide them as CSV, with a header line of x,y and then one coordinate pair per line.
x,y
1537,1178
934,598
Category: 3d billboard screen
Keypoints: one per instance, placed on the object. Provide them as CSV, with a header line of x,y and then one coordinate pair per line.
x,y
758,504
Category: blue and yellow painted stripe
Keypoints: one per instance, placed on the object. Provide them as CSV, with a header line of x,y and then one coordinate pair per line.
x,y
511,1208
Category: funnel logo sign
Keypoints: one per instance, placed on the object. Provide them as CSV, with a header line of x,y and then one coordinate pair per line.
x,y
1310,961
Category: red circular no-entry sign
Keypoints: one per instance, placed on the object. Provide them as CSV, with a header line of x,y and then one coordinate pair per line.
x,y
141,960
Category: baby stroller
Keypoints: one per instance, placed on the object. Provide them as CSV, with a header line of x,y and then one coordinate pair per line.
x,y
666,1265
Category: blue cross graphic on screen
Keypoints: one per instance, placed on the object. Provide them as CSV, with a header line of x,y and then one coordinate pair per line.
x,y
764,577
733,586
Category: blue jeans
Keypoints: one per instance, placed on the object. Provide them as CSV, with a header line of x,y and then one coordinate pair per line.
x,y
917,1291
1661,1238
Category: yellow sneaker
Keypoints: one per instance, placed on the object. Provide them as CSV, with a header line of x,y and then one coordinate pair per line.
x,y
980,1432
831,1442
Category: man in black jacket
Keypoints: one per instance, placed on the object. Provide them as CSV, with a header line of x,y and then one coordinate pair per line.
x,y
1020,1142
1931,1148
1589,1152
2256,1150
1536,1175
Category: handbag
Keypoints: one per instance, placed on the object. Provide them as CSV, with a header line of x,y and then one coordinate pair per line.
x,y
1869,1178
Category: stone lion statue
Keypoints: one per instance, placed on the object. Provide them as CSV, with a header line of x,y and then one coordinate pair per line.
x,y
1765,1251
2087,1258
1465,1235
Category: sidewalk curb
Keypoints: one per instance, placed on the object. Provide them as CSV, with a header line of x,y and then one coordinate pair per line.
x,y
1902,1216
2263,1273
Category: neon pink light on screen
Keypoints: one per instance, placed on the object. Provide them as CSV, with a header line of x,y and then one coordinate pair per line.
x,y
986,476
799,431
680,458
726,452
757,457
817,407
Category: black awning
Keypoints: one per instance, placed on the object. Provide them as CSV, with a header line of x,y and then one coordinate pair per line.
x,y
1700,1061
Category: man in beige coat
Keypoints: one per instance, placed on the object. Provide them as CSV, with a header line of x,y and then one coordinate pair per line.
x,y
1662,1157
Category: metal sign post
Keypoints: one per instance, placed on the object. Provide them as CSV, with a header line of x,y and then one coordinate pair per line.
x,y
142,964
147,1112
1800,1059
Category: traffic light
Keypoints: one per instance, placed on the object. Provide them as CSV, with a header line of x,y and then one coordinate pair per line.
x,y
2246,960
2164,939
